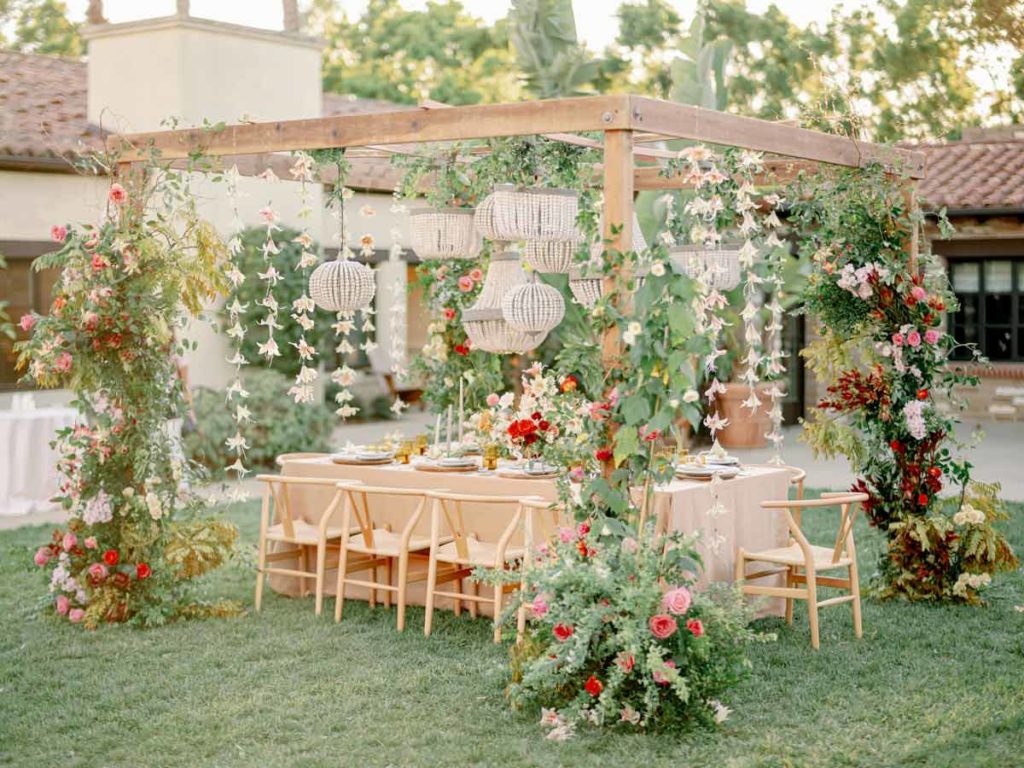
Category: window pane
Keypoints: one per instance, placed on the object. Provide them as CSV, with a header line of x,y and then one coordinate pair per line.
x,y
964,276
968,312
997,343
998,309
998,276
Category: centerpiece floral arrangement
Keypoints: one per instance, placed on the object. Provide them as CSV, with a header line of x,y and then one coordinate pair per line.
x,y
137,538
885,357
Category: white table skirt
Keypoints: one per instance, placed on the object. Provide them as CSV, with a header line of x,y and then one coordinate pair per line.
x,y
28,465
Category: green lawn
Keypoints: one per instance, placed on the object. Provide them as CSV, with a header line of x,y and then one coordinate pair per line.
x,y
927,686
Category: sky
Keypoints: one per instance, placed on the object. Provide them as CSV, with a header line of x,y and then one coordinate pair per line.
x,y
595,19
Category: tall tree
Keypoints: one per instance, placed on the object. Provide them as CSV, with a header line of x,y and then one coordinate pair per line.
x,y
440,53
548,52
39,26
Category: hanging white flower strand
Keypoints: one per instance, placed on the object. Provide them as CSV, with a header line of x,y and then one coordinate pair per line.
x,y
303,390
774,367
270,277
750,227
399,316
236,392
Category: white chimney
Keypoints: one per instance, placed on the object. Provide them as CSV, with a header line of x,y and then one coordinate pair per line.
x,y
142,72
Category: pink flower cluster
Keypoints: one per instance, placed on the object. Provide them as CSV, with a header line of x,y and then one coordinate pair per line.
x,y
858,280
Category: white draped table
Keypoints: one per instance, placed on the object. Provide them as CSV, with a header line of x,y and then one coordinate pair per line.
x,y
681,505
28,465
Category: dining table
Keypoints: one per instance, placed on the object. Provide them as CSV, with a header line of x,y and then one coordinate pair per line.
x,y
726,514
28,464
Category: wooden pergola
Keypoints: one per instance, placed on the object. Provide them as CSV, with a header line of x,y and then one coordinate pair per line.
x,y
629,125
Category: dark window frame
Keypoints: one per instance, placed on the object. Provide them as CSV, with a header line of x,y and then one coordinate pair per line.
x,y
982,323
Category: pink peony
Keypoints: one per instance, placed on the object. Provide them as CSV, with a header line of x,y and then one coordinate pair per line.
x,y
69,541
914,339
918,293
63,604
466,283
42,556
63,362
76,615
660,677
662,626
539,607
98,571
897,339
493,400
932,336
676,600
117,194
58,233
90,542
27,322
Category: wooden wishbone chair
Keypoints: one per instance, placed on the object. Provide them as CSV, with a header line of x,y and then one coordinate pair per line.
x,y
367,543
541,520
292,530
800,561
464,551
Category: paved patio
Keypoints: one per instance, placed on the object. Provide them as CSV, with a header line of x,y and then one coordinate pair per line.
x,y
999,457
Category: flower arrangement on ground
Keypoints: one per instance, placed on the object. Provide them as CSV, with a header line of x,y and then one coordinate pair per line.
x,y
885,356
621,638
135,538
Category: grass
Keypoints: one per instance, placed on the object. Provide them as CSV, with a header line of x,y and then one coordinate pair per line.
x,y
927,686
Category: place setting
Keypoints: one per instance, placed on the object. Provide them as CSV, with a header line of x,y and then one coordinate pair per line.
x,y
707,465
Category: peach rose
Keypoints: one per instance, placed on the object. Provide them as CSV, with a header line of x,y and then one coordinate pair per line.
x,y
662,626
75,615
117,194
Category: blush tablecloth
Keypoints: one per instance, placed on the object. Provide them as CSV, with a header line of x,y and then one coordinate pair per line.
x,y
682,505
28,466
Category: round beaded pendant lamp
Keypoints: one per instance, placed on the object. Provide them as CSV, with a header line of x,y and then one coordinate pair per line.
x,y
718,266
533,308
484,322
443,233
585,286
551,257
534,213
342,285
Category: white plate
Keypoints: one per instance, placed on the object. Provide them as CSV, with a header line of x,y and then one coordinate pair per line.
x,y
374,455
705,473
725,461
455,461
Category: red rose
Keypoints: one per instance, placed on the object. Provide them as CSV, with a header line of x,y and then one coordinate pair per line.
x,y
695,626
449,313
544,425
662,626
935,472
461,349
583,529
603,454
593,686
142,571
922,499
563,632
535,415
922,394
110,557
896,446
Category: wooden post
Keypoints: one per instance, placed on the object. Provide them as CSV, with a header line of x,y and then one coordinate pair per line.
x,y
914,227
618,214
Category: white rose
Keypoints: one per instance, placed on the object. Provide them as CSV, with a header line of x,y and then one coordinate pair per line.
x,y
691,396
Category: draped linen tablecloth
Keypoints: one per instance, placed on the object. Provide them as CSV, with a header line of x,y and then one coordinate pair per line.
x,y
28,465
681,505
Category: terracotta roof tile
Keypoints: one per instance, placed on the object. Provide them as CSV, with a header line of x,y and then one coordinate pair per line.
x,y
975,174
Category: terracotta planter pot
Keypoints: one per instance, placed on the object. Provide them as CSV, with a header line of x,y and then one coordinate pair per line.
x,y
746,429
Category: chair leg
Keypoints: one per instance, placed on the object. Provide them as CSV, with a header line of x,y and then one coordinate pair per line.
x,y
812,607
858,628
435,536
321,564
458,603
790,583
304,567
474,606
403,580
388,574
373,590
499,593
261,564
339,586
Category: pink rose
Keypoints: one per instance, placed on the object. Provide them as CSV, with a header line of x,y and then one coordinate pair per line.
x,y
662,626
539,607
117,194
98,262
566,535
918,293
914,339
660,677
476,275
63,362
466,283
932,336
90,542
76,615
676,600
27,322
69,541
696,627
58,233
63,604
493,400
897,339
98,571
42,556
